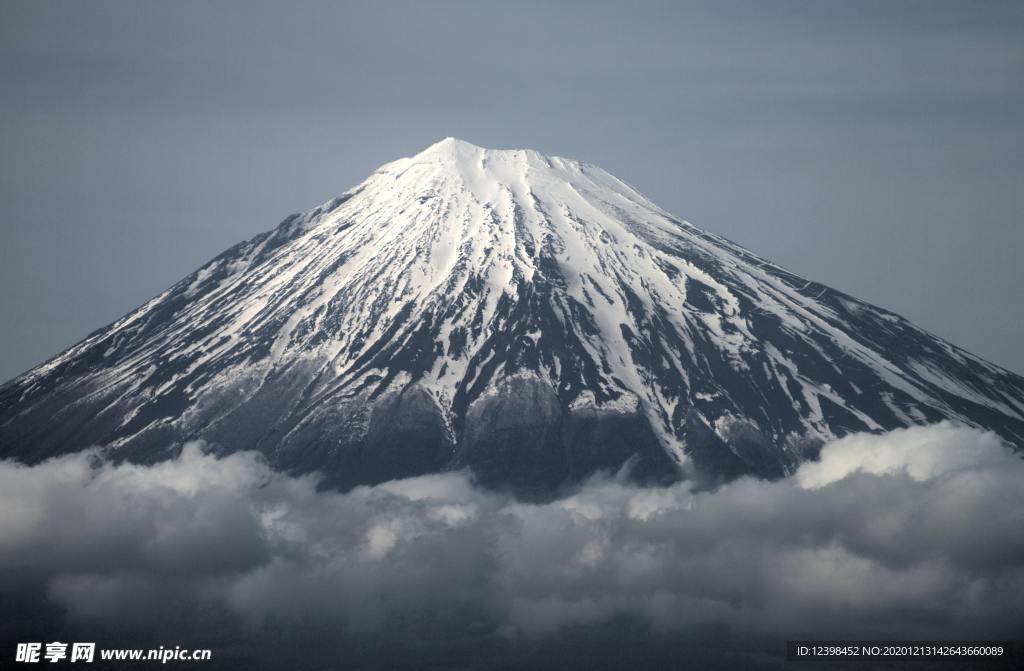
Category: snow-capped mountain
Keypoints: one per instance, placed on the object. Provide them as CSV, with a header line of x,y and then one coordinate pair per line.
x,y
531,317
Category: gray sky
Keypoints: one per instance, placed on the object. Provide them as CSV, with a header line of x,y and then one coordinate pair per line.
x,y
877,147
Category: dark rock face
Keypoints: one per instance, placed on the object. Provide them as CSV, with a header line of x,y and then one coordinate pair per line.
x,y
609,440
531,318
522,439
360,442
514,438
406,436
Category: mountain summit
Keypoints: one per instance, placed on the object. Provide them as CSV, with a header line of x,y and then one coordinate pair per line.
x,y
533,318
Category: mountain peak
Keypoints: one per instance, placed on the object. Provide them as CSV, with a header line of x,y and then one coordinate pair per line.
x,y
452,142
450,147
454,149
503,180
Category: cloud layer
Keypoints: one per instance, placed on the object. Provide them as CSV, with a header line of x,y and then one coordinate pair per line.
x,y
915,533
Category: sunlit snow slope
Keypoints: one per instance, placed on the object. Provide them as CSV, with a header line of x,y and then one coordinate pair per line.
x,y
532,317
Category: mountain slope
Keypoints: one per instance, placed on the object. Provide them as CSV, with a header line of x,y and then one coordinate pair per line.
x,y
531,317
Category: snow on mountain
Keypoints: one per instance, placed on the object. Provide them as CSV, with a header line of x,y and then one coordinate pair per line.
x,y
532,317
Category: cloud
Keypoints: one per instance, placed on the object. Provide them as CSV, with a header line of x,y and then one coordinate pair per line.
x,y
923,453
914,533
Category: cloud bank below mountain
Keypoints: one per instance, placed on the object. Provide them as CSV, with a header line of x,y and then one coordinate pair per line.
x,y
914,533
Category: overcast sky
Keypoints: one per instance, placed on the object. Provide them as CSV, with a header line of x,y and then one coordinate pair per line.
x,y
877,147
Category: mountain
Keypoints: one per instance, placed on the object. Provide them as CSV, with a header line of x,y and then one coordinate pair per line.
x,y
533,318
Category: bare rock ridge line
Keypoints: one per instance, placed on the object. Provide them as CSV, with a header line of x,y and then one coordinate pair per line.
x,y
533,318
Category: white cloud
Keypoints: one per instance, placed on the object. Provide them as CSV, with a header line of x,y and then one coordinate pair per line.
x,y
911,533
923,452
